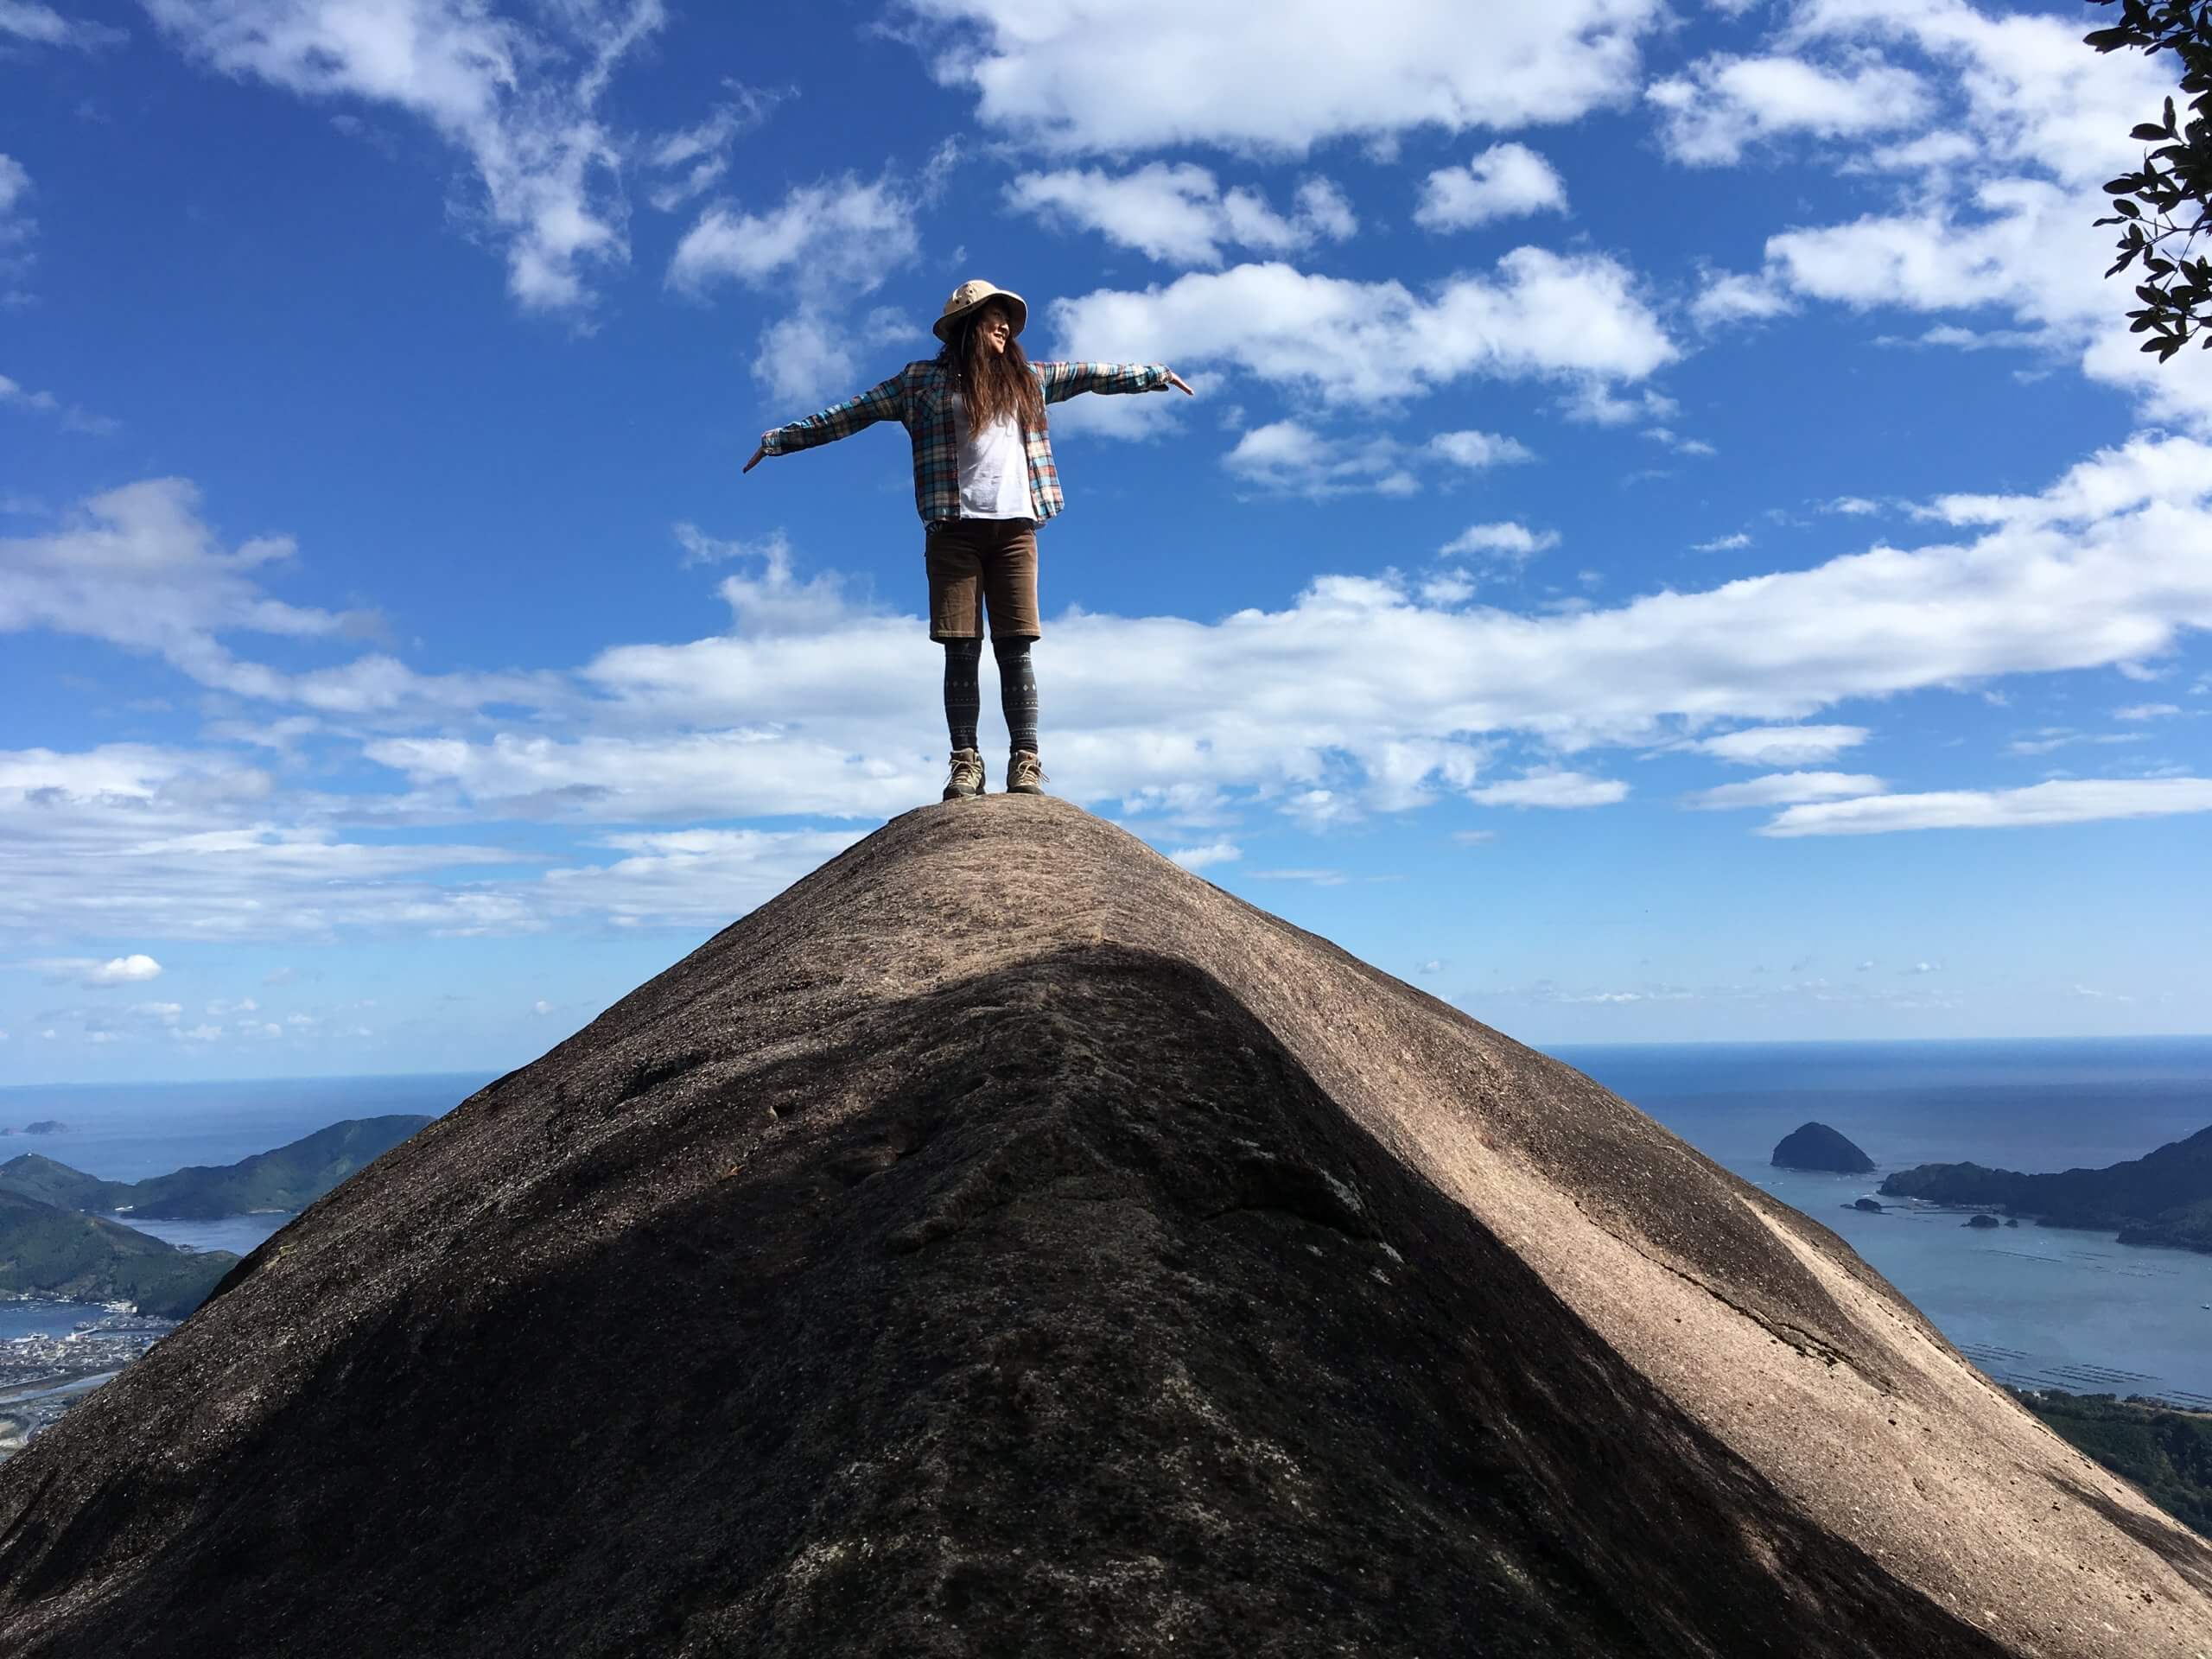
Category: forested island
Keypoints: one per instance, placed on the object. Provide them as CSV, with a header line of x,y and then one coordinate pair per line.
x,y
2164,1198
290,1178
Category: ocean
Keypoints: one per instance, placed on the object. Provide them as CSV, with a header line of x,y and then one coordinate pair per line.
x,y
2036,1306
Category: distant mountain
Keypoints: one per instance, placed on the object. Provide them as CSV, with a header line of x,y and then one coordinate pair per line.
x,y
290,1178
45,1251
44,1126
2163,1198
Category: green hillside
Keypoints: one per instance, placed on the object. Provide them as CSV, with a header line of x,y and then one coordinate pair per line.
x,y
290,1178
2168,1454
46,1251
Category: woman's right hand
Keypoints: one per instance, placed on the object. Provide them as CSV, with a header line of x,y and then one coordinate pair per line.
x,y
758,456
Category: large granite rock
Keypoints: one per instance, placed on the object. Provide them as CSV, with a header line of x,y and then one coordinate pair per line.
x,y
1005,1242
1815,1145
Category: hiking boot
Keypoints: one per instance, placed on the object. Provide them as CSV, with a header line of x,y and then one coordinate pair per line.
x,y
1023,775
966,781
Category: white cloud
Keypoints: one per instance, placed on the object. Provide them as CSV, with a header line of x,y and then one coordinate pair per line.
x,y
1786,789
2147,711
40,25
1783,746
1722,543
73,419
1224,851
1503,182
16,229
133,969
2067,801
1731,296
1476,450
186,591
1551,786
1291,457
808,358
1995,195
1725,104
1141,74
1179,213
699,876
1573,317
521,104
846,233
1514,541
692,160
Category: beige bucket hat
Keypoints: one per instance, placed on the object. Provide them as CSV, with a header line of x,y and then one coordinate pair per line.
x,y
966,297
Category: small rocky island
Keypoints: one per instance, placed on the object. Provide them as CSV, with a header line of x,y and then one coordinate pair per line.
x,y
44,1126
1815,1145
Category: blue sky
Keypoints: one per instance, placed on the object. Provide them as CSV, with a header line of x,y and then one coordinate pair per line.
x,y
1674,542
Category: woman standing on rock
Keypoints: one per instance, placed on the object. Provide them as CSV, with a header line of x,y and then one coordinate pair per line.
x,y
983,481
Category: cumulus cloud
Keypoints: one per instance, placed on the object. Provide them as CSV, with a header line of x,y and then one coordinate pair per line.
x,y
809,356
1477,450
1783,746
1149,73
1503,183
1215,852
133,969
1731,296
1724,105
1510,540
521,104
1786,789
1361,694
1551,786
1576,317
848,232
1288,457
1995,163
1179,213
2064,801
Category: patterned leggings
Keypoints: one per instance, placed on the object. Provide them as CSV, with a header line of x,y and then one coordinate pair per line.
x,y
963,695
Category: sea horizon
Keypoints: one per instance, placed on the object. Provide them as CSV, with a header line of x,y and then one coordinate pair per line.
x,y
1557,1050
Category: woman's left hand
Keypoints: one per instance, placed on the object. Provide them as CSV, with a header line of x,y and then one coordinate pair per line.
x,y
1179,383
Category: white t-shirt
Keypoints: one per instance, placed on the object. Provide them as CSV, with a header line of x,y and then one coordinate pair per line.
x,y
994,467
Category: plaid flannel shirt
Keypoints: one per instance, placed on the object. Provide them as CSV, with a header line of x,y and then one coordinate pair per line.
x,y
919,398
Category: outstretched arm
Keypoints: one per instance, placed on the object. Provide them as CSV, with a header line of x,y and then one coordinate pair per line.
x,y
886,402
1062,380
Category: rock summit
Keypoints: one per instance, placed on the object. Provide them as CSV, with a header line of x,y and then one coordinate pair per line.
x,y
1005,1242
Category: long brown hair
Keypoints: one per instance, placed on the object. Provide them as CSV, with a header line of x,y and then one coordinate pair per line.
x,y
997,384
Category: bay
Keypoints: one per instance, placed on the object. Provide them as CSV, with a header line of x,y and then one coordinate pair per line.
x,y
2034,1307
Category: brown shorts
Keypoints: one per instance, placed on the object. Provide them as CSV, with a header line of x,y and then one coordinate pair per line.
x,y
978,562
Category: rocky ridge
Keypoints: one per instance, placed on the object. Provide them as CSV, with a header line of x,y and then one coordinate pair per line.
x,y
1039,1249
